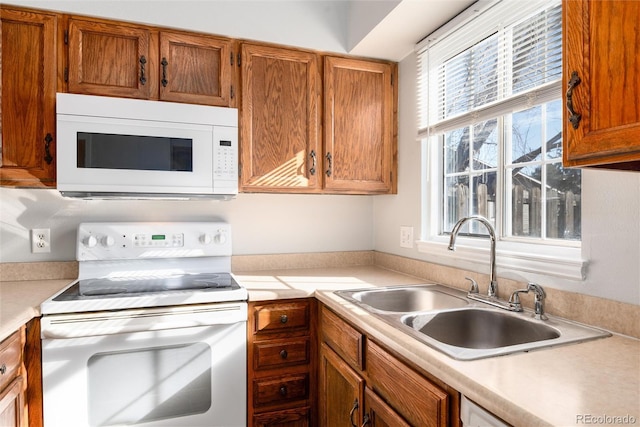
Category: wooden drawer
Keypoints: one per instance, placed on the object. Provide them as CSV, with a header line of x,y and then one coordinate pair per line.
x,y
279,390
417,399
299,417
342,338
281,317
10,358
280,353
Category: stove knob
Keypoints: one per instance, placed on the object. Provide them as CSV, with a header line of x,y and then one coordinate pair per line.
x,y
107,241
90,241
205,239
221,238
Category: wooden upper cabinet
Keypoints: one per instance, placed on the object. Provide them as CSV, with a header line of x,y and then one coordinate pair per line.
x,y
279,119
195,68
133,61
28,90
360,130
109,59
601,43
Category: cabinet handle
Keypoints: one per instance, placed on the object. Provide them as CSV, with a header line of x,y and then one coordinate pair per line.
x,y
574,117
284,354
353,411
283,391
3,369
366,420
48,139
329,164
284,318
164,72
313,156
143,78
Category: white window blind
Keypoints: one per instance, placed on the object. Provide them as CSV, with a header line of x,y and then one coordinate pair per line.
x,y
499,57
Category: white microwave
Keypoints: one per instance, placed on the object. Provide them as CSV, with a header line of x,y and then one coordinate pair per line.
x,y
130,148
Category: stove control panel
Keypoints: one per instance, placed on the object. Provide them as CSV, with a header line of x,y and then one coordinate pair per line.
x,y
137,240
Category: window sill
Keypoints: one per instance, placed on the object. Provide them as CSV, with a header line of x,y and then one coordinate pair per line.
x,y
517,257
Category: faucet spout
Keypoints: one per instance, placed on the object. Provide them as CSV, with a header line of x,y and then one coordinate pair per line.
x,y
493,283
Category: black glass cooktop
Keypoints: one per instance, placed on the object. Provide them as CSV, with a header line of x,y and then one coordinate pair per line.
x,y
131,287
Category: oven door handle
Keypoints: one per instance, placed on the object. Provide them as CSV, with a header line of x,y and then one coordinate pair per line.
x,y
76,325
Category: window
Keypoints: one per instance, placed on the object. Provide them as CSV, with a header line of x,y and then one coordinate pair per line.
x,y
490,116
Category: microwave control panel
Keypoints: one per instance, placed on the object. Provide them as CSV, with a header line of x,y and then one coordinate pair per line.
x,y
225,155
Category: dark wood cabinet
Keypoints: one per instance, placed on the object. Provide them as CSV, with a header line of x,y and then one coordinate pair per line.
x,y
361,383
29,66
281,366
12,381
360,126
601,42
117,59
280,129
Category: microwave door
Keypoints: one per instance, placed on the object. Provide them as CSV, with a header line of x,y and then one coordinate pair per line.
x,y
132,156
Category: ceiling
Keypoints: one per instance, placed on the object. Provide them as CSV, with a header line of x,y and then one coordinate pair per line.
x,y
396,34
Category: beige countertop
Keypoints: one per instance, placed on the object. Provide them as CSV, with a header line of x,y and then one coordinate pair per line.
x,y
587,383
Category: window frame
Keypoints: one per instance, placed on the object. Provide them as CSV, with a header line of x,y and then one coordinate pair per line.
x,y
549,257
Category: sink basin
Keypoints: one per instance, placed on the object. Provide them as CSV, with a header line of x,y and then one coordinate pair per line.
x,y
406,299
464,329
480,328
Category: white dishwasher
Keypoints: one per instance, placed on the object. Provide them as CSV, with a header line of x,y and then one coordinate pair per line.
x,y
473,415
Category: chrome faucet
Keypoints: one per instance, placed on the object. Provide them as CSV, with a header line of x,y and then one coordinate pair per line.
x,y
538,300
492,292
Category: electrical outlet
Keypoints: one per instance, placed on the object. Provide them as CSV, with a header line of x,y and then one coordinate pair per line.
x,y
40,240
406,237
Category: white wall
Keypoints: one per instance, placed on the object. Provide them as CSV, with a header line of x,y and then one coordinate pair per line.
x,y
261,223
610,214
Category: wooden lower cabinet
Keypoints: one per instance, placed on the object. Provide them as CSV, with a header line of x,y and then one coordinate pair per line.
x,y
281,369
13,410
363,384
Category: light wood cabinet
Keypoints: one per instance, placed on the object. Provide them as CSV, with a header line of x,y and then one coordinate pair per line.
x,y
361,383
29,64
359,134
280,122
117,59
601,42
281,370
287,100
12,381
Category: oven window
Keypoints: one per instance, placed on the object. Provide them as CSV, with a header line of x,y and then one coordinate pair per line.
x,y
111,151
151,384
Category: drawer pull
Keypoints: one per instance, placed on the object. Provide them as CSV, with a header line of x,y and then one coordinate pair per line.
x,y
3,369
283,391
284,318
356,405
284,354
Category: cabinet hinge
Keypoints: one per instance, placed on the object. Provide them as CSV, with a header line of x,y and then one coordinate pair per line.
x,y
66,36
66,74
239,60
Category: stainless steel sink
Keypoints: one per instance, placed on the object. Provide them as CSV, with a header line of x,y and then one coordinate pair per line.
x,y
464,329
407,299
480,328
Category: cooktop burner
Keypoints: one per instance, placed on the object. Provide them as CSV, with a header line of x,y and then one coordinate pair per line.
x,y
131,287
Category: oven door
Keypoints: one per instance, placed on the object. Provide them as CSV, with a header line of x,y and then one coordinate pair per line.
x,y
102,154
179,366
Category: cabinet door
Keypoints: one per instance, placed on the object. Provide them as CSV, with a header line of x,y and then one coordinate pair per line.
x,y
109,59
341,391
378,414
12,404
279,119
359,131
601,43
195,69
28,91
